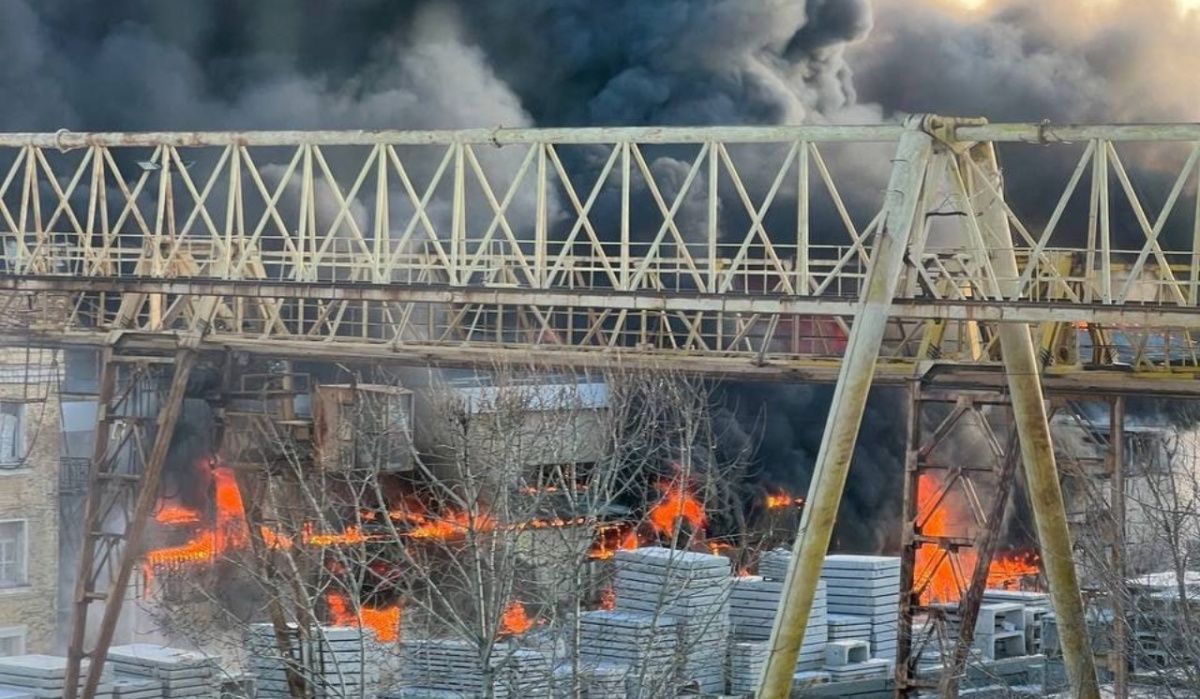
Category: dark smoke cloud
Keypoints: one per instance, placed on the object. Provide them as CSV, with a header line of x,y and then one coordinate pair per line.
x,y
782,427
140,64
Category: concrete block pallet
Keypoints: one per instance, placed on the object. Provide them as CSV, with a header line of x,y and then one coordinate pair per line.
x,y
183,673
330,660
45,676
867,587
691,588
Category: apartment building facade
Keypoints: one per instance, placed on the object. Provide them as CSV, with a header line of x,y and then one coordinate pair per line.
x,y
30,436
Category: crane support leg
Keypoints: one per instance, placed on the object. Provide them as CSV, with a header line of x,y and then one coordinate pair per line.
x,y
902,215
1023,375
120,471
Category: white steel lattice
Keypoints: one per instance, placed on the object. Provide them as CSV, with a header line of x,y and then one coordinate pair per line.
x,y
723,243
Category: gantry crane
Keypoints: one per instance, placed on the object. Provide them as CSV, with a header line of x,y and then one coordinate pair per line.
x,y
709,248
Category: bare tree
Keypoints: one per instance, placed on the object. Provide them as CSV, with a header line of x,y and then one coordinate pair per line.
x,y
483,510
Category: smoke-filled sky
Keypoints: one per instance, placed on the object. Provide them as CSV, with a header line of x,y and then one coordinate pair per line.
x,y
419,64
137,64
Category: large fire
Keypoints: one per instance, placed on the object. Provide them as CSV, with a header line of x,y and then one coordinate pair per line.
x,y
676,506
949,576
384,622
515,620
229,532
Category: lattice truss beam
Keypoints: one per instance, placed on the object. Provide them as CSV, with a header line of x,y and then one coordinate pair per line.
x,y
742,243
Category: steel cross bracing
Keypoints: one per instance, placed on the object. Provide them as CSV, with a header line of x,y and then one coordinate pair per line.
x,y
730,248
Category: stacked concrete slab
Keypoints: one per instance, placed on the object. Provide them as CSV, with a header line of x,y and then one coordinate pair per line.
x,y
645,644
132,687
772,567
45,676
746,662
330,661
693,589
867,586
431,666
753,602
15,693
848,627
573,679
773,564
182,673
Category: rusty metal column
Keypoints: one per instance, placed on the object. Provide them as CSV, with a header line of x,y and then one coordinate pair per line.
x,y
901,215
1023,372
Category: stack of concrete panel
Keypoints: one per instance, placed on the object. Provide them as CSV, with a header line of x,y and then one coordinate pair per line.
x,y
693,589
847,627
14,693
449,665
603,681
522,672
183,673
134,687
646,644
772,567
867,586
746,662
330,661
45,676
816,633
423,693
753,601
773,564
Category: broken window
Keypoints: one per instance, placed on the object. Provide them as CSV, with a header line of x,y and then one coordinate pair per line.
x,y
12,554
12,434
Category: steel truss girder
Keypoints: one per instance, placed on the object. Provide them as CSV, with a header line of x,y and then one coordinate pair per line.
x,y
501,238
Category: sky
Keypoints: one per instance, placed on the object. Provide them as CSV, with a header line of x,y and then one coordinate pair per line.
x,y
143,64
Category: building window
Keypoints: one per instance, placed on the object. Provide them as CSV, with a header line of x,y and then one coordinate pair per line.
x,y
12,641
12,434
13,553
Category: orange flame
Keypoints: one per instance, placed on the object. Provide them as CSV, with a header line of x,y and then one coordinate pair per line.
x,y
453,526
230,532
515,621
611,538
352,535
1007,570
384,622
781,500
176,514
676,506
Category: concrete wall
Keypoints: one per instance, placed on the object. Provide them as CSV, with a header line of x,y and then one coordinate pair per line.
x,y
29,492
